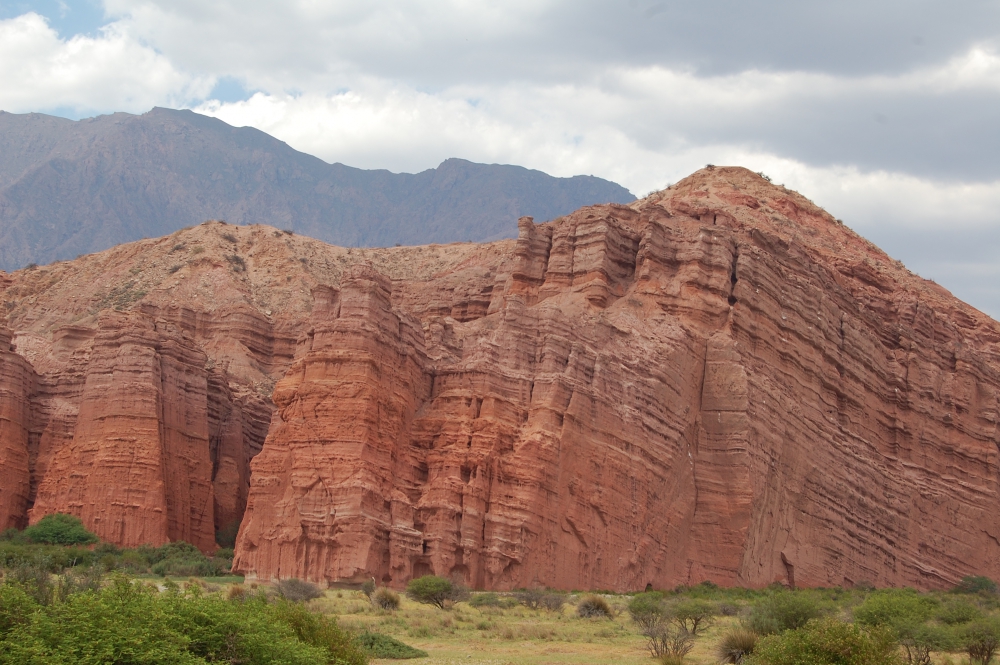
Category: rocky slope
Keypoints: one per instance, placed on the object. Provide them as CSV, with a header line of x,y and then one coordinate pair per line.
x,y
718,382
71,187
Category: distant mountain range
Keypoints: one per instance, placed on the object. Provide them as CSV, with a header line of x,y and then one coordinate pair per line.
x,y
73,187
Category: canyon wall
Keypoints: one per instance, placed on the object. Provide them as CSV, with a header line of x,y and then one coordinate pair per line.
x,y
717,382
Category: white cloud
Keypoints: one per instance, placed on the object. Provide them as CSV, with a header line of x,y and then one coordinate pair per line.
x,y
110,72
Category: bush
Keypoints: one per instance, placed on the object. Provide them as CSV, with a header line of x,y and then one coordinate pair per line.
x,y
368,588
736,646
128,622
492,599
378,645
60,529
981,640
647,610
297,590
918,640
893,605
591,607
552,601
670,643
828,642
385,599
957,611
976,584
693,615
433,590
781,611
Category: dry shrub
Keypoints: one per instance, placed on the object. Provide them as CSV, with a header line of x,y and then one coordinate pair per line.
x,y
385,599
298,590
592,606
736,646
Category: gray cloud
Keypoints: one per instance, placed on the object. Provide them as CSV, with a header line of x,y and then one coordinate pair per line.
x,y
883,111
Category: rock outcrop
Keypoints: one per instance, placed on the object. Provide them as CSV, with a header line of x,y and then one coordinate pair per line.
x,y
717,382
17,381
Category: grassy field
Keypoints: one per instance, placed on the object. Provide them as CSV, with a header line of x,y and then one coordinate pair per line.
x,y
522,636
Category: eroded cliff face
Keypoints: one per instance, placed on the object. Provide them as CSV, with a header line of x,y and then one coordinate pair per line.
x,y
718,382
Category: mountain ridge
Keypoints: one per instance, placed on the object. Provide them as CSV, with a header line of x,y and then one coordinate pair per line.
x,y
75,187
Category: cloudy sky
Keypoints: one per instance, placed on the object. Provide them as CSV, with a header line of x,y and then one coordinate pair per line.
x,y
885,112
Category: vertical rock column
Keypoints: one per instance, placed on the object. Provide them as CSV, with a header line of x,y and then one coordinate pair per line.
x,y
320,504
138,468
16,385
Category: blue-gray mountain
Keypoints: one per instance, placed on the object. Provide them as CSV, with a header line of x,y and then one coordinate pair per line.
x,y
73,187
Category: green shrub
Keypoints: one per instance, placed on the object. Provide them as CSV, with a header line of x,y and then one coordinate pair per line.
x,y
976,584
368,588
981,640
492,599
957,611
736,646
893,605
783,610
59,529
647,609
128,622
919,640
385,599
378,645
828,642
431,590
693,615
593,607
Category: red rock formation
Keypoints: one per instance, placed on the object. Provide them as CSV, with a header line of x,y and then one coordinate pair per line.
x,y
16,388
137,469
718,382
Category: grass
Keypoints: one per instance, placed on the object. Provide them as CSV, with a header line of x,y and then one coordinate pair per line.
x,y
498,635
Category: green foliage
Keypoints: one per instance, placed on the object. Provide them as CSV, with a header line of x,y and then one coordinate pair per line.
x,y
889,606
226,536
647,610
492,599
976,584
593,607
828,642
378,645
129,622
980,640
781,611
59,529
957,611
368,588
693,615
320,631
918,640
736,646
432,590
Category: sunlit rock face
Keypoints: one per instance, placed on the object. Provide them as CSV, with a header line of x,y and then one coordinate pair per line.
x,y
717,382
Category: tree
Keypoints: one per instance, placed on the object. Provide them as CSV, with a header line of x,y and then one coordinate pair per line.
x,y
919,640
981,640
60,529
432,590
693,615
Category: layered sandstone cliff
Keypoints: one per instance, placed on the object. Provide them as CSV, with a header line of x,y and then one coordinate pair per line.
x,y
718,382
